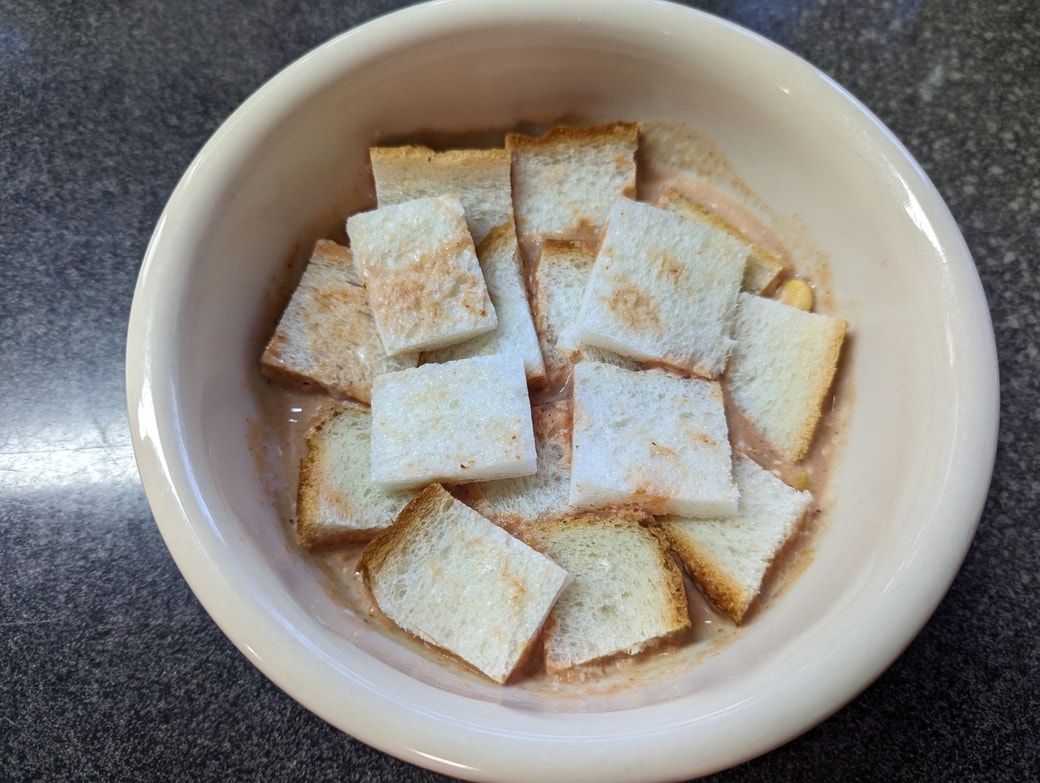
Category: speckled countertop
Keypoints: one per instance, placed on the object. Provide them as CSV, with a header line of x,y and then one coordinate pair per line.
x,y
109,667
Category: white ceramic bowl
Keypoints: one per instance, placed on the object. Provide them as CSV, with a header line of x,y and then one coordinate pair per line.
x,y
906,494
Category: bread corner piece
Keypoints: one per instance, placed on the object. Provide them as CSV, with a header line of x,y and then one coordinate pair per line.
x,y
479,177
456,422
728,558
457,581
781,370
663,289
626,591
650,440
326,335
420,268
565,180
337,500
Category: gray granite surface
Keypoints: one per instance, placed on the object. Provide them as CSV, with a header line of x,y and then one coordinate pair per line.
x,y
109,667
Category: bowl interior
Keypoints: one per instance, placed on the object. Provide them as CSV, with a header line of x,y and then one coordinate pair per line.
x,y
908,482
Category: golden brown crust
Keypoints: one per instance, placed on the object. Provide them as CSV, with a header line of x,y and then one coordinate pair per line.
x,y
724,593
613,132
830,365
432,500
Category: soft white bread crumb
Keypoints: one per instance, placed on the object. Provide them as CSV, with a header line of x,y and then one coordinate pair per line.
x,y
420,268
650,440
728,558
461,421
560,277
326,335
762,268
781,370
337,499
663,289
626,591
480,178
565,181
456,580
500,262
515,503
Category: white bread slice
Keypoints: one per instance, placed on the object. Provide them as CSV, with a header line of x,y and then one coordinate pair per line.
x,y
337,500
663,289
480,178
762,269
519,502
565,181
781,370
728,558
650,440
500,262
326,335
626,591
461,421
456,580
420,268
560,277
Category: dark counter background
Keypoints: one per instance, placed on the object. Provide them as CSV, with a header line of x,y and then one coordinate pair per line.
x,y
109,667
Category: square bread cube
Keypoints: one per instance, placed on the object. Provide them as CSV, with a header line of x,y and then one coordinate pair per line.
x,y
663,289
650,440
480,178
337,500
728,558
565,181
781,370
499,258
420,268
326,335
461,421
456,580
625,594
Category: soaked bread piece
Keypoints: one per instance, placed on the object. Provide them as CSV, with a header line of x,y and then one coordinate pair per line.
x,y
663,289
480,179
565,180
728,557
326,335
458,581
781,370
420,268
650,440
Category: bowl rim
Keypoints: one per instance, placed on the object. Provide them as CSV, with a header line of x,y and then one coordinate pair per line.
x,y
480,741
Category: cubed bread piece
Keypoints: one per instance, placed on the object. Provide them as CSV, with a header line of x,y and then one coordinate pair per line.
x,y
650,440
626,592
781,370
663,289
326,335
728,558
480,178
456,580
461,421
500,262
560,277
337,499
565,181
763,268
519,502
420,268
